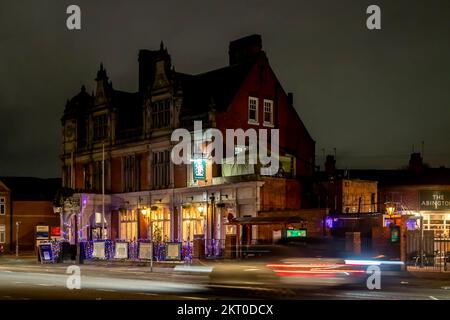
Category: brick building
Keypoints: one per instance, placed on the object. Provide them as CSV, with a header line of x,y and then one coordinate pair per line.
x,y
416,190
339,193
127,136
5,216
28,201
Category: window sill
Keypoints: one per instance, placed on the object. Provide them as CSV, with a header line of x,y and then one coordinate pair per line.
x,y
268,124
253,122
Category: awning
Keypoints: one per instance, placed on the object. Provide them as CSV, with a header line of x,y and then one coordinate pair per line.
x,y
266,220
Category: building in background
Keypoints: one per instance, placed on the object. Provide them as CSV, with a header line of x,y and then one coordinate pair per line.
x,y
5,216
406,199
341,194
28,201
126,136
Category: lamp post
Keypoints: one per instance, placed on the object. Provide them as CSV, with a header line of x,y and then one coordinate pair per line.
x,y
17,238
201,211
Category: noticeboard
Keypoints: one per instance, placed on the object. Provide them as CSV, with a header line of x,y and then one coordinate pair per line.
x,y
99,251
145,250
121,250
173,251
46,253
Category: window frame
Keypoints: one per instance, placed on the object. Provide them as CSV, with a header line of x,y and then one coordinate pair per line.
x,y
100,128
161,114
2,206
3,232
256,100
271,123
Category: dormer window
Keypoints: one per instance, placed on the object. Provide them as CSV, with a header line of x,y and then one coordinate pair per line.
x,y
252,110
161,114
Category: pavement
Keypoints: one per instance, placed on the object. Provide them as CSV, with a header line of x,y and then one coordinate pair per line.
x,y
24,278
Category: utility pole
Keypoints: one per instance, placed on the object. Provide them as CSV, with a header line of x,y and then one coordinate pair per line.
x,y
103,191
17,238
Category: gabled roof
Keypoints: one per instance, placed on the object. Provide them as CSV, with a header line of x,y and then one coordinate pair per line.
x,y
211,90
78,104
3,187
223,84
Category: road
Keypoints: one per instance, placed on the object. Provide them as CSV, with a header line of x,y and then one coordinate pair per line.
x,y
22,280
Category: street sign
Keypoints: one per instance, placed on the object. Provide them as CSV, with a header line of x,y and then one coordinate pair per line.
x,y
296,233
42,232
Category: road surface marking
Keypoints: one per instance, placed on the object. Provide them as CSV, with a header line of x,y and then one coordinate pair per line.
x,y
45,285
147,293
107,290
434,298
194,298
252,269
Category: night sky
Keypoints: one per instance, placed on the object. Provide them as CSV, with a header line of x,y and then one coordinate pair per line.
x,y
372,95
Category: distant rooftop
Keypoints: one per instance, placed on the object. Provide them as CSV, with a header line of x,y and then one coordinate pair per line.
x,y
32,189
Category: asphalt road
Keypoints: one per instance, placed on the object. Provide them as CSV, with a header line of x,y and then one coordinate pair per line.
x,y
22,280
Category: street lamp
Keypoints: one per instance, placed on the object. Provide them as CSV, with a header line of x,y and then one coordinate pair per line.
x,y
390,208
17,238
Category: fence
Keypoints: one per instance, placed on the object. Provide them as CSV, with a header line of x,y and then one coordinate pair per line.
x,y
424,252
123,250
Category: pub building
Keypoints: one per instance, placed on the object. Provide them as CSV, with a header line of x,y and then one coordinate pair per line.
x,y
417,191
116,148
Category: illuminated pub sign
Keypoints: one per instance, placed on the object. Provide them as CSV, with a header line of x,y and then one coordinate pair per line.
x,y
199,169
434,200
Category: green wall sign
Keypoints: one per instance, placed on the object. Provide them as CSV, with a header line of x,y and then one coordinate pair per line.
x,y
199,169
296,233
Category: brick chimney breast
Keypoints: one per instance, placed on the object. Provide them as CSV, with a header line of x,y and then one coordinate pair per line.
x,y
242,49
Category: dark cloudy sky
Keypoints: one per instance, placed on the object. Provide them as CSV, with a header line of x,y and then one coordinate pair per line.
x,y
372,95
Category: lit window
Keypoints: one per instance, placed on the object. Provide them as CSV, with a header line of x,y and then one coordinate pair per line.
x,y
2,233
268,112
253,110
128,225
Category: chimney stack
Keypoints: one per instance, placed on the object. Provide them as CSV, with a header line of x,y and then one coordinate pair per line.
x,y
416,163
330,165
243,49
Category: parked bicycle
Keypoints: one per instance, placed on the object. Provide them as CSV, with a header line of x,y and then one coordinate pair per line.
x,y
418,262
